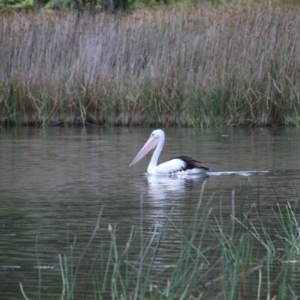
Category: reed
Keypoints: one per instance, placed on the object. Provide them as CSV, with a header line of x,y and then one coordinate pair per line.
x,y
245,259
181,65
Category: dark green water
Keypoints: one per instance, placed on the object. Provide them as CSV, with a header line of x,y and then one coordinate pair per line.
x,y
54,182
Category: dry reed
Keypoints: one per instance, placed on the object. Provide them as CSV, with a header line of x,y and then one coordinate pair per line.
x,y
200,66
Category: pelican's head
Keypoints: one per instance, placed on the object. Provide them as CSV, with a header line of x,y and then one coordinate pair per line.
x,y
155,136
158,134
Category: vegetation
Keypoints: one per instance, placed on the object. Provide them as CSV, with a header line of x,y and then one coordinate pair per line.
x,y
94,5
242,258
181,65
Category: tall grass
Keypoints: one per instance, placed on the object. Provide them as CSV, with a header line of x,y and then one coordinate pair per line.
x,y
244,258
187,66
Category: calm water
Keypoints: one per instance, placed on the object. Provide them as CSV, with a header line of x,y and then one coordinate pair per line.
x,y
54,182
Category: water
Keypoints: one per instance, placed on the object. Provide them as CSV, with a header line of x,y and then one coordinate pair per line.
x,y
54,182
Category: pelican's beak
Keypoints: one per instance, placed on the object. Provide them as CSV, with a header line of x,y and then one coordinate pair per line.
x,y
150,144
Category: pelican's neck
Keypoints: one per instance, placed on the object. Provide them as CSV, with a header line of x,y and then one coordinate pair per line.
x,y
155,155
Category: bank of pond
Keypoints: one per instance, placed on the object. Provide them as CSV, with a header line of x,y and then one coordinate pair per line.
x,y
200,66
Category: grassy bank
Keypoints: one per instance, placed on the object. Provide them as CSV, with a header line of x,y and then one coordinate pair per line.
x,y
199,66
246,257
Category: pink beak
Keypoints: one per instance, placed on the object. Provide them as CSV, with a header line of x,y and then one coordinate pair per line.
x,y
150,144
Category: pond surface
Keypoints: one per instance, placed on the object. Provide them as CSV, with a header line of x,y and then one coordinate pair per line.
x,y
54,182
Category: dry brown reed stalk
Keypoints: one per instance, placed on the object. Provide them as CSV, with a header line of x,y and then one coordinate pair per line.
x,y
199,66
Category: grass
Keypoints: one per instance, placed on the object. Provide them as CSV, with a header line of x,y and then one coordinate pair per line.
x,y
182,65
244,258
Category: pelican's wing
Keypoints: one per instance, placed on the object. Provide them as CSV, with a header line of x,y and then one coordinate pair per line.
x,y
171,166
180,164
192,163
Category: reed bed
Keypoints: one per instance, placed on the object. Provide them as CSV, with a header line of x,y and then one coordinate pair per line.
x,y
243,258
183,66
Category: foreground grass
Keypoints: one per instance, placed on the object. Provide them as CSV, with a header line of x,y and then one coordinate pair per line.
x,y
244,258
199,66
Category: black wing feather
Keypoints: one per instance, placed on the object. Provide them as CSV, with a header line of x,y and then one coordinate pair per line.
x,y
190,163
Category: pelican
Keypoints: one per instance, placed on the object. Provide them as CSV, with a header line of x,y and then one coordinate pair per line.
x,y
176,165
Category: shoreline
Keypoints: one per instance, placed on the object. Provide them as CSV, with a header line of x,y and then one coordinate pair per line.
x,y
200,66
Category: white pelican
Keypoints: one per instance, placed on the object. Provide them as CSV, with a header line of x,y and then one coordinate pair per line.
x,y
176,165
